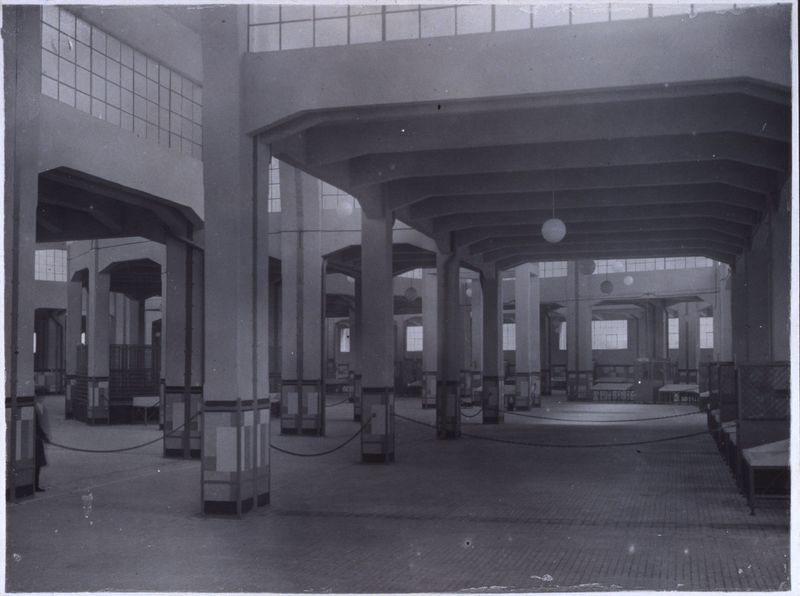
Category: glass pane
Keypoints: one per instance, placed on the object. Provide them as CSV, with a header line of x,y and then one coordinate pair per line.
x,y
621,12
49,64
507,18
330,11
264,38
264,13
365,9
365,29
50,87
474,19
589,13
296,35
296,12
438,22
662,10
550,15
402,25
331,32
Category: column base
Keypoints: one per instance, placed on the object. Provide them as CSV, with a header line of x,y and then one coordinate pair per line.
x,y
68,389
302,411
175,424
579,385
492,390
235,468
377,439
356,397
429,381
448,410
89,397
20,471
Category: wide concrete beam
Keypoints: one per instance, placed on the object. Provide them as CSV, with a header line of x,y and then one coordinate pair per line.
x,y
754,44
604,153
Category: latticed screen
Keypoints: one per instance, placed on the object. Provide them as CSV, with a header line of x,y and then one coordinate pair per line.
x,y
764,390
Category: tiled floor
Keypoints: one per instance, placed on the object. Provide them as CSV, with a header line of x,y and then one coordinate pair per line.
x,y
466,515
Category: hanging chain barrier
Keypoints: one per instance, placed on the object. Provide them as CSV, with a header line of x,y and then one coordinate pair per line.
x,y
561,445
328,451
172,433
602,421
121,449
471,415
338,403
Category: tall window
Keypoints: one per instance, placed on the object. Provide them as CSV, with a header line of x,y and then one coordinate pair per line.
x,y
96,73
706,333
413,274
334,199
51,265
656,264
673,333
274,205
562,336
414,338
610,335
344,339
553,269
509,336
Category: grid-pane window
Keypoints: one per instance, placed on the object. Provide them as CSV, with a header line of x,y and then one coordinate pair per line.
x,y
604,266
413,274
652,264
287,27
51,265
562,336
274,205
84,67
344,339
553,269
706,333
673,333
509,336
334,199
610,335
414,338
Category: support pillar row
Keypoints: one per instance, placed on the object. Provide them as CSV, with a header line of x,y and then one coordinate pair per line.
x,y
450,347
492,347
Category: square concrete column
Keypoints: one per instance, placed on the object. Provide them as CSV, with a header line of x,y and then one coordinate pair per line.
x,y
723,320
526,299
302,403
430,334
476,360
22,55
72,339
491,282
579,334
689,340
377,336
182,344
235,416
450,347
659,329
98,341
356,325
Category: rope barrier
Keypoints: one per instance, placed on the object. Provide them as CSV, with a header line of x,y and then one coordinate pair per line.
x,y
471,415
337,403
121,449
563,445
602,421
321,453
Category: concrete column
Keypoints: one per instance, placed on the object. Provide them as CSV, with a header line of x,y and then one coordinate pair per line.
x,y
356,326
545,347
659,329
72,338
98,340
377,336
723,317
491,282
579,334
476,316
528,359
235,433
302,404
22,55
689,340
450,347
430,335
182,345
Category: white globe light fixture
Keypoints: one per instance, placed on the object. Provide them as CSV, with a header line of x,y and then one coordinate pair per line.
x,y
628,280
554,230
411,294
606,287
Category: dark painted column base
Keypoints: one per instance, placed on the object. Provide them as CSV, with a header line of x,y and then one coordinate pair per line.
x,y
175,423
377,438
492,392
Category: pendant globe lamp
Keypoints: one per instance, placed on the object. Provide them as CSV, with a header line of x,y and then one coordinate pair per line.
x,y
554,230
411,292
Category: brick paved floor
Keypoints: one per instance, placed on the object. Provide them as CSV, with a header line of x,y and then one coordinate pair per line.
x,y
467,515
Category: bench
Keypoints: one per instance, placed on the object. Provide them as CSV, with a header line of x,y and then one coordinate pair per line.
x,y
145,402
771,459
605,391
675,393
